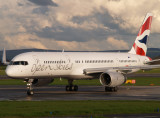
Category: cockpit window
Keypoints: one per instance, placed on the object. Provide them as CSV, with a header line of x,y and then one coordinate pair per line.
x,y
18,63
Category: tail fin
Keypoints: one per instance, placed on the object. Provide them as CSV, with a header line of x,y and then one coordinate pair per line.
x,y
140,45
4,56
4,61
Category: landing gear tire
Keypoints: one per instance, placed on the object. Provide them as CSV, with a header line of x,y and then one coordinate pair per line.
x,y
115,89
75,88
30,92
67,88
72,88
111,89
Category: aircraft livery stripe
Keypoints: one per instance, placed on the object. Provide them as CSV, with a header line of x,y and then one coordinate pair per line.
x,y
139,50
144,40
145,26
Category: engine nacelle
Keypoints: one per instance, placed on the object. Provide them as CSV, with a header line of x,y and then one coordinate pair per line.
x,y
42,82
112,79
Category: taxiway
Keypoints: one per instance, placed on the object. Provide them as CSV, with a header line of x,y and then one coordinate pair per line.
x,y
52,92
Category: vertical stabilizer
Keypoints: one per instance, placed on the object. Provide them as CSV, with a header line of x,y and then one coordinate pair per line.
x,y
4,61
4,56
140,45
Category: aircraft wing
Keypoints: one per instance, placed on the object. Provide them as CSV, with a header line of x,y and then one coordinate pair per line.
x,y
122,69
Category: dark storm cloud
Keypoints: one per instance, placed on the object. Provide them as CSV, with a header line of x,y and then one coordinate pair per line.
x,y
62,33
40,10
108,21
20,4
44,2
72,34
103,18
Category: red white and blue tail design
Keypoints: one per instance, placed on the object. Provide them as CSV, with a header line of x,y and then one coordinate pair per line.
x,y
140,45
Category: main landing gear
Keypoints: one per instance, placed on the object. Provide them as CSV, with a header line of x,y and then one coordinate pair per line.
x,y
111,89
71,87
29,87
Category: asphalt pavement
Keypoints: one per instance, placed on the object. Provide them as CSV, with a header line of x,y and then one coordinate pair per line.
x,y
52,92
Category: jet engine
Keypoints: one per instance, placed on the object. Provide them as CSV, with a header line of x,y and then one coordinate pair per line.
x,y
42,82
112,79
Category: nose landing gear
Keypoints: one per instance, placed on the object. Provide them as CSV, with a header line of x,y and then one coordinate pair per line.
x,y
29,87
69,87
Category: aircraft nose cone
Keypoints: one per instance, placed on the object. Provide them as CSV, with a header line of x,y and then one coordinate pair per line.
x,y
9,72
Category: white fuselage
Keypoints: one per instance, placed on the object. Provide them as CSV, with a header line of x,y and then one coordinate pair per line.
x,y
68,64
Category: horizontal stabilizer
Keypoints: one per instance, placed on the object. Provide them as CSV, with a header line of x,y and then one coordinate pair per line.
x,y
153,62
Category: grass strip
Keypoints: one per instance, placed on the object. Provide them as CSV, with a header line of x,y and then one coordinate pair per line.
x,y
75,108
2,72
145,81
11,82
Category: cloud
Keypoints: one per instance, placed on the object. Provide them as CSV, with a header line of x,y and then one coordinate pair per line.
x,y
75,24
24,41
44,2
129,14
91,45
119,44
71,34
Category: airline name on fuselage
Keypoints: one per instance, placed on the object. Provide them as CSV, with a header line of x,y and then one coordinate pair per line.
x,y
38,66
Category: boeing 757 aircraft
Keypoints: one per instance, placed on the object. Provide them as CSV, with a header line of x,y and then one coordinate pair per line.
x,y
40,68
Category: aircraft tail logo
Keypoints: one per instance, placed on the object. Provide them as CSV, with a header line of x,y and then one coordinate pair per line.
x,y
140,45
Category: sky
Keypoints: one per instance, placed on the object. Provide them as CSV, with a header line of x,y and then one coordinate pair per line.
x,y
81,25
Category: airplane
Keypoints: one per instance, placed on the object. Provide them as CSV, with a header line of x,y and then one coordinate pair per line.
x,y
4,61
40,68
